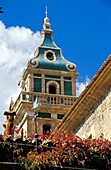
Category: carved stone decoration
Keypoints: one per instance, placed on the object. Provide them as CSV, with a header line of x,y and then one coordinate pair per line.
x,y
71,67
8,126
34,62
22,84
29,97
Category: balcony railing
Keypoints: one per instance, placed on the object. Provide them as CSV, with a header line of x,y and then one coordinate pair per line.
x,y
45,98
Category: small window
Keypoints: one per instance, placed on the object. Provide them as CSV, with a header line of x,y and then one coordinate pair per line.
x,y
46,129
44,115
50,56
60,116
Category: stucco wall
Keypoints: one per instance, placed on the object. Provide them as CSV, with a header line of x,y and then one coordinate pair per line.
x,y
98,120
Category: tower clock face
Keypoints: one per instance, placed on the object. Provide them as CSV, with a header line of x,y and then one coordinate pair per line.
x,y
50,56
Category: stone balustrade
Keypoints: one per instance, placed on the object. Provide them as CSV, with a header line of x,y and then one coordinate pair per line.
x,y
45,98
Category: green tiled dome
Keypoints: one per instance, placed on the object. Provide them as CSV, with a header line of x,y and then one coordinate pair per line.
x,y
49,55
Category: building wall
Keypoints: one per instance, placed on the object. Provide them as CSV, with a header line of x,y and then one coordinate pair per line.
x,y
98,120
24,128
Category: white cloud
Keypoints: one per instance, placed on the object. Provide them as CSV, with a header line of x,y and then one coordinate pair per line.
x,y
17,44
80,86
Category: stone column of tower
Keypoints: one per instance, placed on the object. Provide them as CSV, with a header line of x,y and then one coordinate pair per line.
x,y
8,126
30,86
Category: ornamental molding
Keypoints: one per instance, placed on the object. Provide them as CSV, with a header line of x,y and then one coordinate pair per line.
x,y
50,51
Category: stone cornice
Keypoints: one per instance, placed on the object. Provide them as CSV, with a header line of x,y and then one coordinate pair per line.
x,y
49,72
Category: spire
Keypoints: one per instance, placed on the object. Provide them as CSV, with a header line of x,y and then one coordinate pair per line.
x,y
46,33
11,104
46,25
46,11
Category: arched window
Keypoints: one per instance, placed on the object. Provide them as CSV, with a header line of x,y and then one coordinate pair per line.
x,y
52,89
46,129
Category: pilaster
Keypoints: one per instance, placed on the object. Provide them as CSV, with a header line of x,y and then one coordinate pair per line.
x,y
30,82
73,86
43,83
62,85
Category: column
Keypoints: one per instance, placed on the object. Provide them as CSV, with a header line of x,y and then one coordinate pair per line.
x,y
43,83
62,85
30,83
73,86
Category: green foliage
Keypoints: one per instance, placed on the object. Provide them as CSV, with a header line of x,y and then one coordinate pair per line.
x,y
11,149
68,150
60,150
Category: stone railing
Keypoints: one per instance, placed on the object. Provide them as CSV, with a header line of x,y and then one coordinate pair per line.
x,y
45,98
63,168
10,165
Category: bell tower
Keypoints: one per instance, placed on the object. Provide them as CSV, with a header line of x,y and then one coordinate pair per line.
x,y
51,79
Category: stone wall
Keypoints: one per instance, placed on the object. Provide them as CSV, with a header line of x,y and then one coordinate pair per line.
x,y
98,120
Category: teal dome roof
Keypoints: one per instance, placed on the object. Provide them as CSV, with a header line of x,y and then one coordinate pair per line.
x,y
48,55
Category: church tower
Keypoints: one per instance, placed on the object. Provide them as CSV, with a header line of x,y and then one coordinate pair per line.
x,y
51,79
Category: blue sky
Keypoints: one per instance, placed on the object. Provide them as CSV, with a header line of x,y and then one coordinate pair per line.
x,y
82,29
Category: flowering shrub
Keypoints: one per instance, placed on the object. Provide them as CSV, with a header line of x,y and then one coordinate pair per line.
x,y
72,151
60,150
11,149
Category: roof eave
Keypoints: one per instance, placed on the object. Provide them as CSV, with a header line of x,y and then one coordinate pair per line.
x,y
97,86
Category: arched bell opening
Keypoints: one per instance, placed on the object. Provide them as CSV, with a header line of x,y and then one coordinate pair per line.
x,y
52,89
46,129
